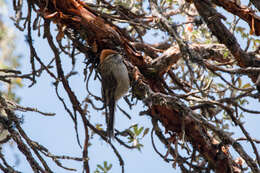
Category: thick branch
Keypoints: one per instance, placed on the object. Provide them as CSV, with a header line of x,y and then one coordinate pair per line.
x,y
171,56
213,20
175,116
256,3
100,34
243,12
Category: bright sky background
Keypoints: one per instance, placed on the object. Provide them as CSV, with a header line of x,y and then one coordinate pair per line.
x,y
58,135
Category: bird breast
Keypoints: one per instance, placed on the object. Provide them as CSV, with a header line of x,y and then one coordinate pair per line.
x,y
122,81
120,72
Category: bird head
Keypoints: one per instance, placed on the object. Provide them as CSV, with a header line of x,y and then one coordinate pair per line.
x,y
105,53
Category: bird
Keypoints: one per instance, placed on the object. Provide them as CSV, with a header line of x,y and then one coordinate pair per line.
x,y
115,84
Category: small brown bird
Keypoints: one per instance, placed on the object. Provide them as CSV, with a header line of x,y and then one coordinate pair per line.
x,y
115,83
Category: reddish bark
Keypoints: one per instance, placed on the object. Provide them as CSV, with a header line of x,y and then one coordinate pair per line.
x,y
101,34
243,12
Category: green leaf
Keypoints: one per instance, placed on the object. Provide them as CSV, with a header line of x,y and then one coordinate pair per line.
x,y
139,146
246,85
226,53
96,171
105,164
99,126
135,128
100,167
139,131
221,85
239,82
145,132
109,167
104,169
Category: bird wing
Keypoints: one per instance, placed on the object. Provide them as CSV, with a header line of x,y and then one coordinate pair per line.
x,y
109,84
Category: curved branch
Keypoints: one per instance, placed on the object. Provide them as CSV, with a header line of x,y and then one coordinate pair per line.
x,y
243,12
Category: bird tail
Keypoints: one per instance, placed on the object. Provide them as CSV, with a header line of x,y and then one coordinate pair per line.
x,y
110,127
111,119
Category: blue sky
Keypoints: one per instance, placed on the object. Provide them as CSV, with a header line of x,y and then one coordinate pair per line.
x,y
58,135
